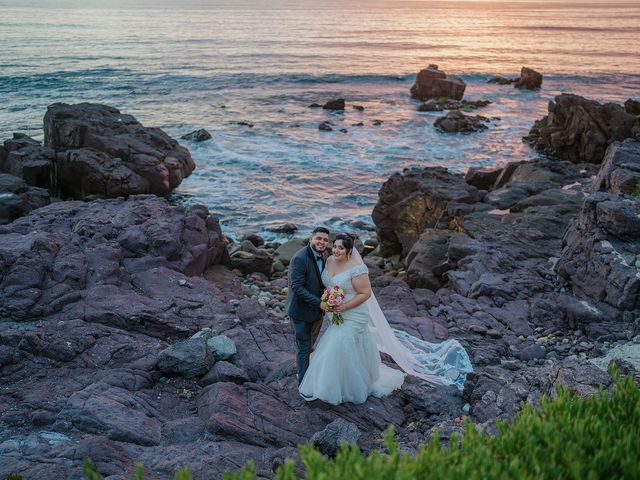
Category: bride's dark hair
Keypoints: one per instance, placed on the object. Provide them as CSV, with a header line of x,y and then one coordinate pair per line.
x,y
347,241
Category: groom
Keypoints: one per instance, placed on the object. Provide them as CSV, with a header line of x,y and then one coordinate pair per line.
x,y
303,298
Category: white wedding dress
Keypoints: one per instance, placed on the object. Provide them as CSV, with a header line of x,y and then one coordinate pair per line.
x,y
346,365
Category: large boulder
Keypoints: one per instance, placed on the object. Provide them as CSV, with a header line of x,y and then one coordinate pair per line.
x,y
529,79
26,158
414,200
116,262
600,257
189,358
137,154
17,198
434,83
580,130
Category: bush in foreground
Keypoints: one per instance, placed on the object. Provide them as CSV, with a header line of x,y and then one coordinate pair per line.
x,y
565,438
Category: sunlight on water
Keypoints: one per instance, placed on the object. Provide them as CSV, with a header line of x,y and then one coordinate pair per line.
x,y
212,64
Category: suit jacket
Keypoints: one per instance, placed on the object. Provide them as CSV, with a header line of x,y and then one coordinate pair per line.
x,y
305,287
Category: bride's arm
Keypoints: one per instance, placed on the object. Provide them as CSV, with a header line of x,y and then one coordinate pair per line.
x,y
362,286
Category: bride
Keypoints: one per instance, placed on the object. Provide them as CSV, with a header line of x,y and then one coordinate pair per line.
x,y
346,365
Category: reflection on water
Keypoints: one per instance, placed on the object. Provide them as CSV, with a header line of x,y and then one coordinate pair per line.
x,y
176,67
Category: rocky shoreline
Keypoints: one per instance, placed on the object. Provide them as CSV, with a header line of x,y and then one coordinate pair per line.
x,y
532,266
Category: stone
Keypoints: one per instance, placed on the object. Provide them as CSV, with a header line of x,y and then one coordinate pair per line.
x,y
259,261
580,130
288,249
328,440
456,121
482,178
325,126
17,198
337,104
620,170
119,142
189,358
224,372
200,135
529,79
433,83
26,158
501,80
287,228
411,201
532,352
632,106
222,347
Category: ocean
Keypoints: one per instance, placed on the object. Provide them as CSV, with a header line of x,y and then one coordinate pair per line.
x,y
210,64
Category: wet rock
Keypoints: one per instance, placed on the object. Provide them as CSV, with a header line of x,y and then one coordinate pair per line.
x,y
632,106
529,79
580,130
287,228
338,431
456,121
200,135
433,83
359,108
149,153
189,358
17,198
249,262
501,80
245,124
430,105
482,178
414,200
26,158
315,105
325,126
255,239
337,104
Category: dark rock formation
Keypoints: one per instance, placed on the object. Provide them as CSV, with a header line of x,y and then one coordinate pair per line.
x,y
189,358
17,198
529,79
337,104
92,136
338,431
287,228
580,130
200,135
600,259
415,200
501,80
325,126
434,83
456,121
440,104
632,106
26,158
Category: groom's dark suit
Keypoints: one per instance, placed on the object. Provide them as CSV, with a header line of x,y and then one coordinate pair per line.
x,y
303,303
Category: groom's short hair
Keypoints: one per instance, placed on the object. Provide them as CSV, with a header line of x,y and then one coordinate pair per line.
x,y
321,230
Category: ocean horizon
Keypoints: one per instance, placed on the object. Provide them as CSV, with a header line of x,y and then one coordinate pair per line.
x,y
215,64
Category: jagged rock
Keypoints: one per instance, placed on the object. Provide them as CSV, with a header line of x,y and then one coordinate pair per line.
x,y
414,200
26,158
222,347
189,358
632,106
430,105
254,238
456,121
337,104
200,135
18,199
150,153
529,79
582,379
620,171
338,431
434,83
580,130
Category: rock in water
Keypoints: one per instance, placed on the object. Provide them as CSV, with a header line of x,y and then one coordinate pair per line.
x,y
529,79
434,83
92,140
632,106
200,135
501,80
190,358
456,121
580,130
18,199
328,440
337,104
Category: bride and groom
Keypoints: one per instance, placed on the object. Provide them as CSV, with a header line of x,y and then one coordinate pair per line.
x,y
346,364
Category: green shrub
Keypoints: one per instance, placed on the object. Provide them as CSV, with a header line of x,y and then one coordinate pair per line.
x,y
565,438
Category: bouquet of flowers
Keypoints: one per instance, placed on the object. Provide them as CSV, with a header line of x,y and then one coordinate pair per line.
x,y
334,297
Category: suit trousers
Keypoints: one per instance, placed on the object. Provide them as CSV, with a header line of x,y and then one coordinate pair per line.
x,y
306,336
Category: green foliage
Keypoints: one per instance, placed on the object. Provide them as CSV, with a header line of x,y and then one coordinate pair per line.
x,y
14,476
566,438
636,190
